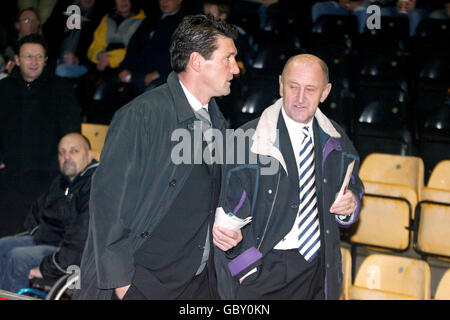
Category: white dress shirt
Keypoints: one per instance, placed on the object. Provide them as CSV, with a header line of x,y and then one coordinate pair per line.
x,y
193,101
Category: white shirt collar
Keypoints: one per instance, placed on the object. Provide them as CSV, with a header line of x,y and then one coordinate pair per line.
x,y
193,101
295,128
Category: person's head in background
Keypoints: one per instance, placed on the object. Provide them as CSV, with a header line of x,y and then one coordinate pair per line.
x,y
74,154
169,6
31,56
86,4
267,3
27,23
219,9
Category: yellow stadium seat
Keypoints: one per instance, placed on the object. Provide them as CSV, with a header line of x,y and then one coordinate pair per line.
x,y
346,273
96,133
385,217
440,176
432,224
443,289
394,169
387,277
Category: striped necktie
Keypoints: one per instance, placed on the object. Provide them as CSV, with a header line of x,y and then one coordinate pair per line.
x,y
308,227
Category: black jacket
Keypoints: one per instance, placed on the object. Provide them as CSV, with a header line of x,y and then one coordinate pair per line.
x,y
148,49
33,118
135,184
60,217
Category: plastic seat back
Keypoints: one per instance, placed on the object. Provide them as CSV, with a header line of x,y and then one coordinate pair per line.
x,y
385,216
440,176
394,169
443,289
346,273
386,277
96,133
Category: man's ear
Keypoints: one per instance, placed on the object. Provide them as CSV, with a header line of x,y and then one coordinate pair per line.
x,y
280,81
196,61
91,155
16,59
325,92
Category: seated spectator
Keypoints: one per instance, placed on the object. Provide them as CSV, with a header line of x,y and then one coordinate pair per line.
x,y
113,34
442,11
342,7
269,14
27,22
42,7
147,62
220,9
57,225
36,110
416,10
68,47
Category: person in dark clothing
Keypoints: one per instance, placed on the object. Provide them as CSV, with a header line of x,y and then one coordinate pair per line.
x,y
36,110
68,47
149,233
147,62
57,224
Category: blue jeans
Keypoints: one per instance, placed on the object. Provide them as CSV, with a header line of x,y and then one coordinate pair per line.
x,y
18,255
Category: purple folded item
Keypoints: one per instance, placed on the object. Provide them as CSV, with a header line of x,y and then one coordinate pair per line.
x,y
244,260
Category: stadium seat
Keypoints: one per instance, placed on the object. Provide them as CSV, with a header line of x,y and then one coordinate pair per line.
x,y
385,218
96,133
334,30
443,289
346,273
440,177
392,36
431,32
387,277
394,169
432,219
433,123
382,122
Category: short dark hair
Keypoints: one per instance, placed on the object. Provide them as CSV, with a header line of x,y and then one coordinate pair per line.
x,y
32,38
197,33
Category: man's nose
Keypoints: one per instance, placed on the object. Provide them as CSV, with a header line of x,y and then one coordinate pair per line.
x,y
301,95
235,68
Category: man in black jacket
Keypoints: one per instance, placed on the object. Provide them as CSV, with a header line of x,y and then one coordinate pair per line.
x,y
36,111
57,224
149,234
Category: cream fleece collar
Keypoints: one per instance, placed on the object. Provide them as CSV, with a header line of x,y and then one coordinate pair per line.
x,y
265,137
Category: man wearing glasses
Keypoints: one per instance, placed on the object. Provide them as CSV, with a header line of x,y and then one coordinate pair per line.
x,y
36,110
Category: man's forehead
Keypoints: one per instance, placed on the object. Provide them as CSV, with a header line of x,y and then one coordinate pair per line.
x,y
74,141
32,47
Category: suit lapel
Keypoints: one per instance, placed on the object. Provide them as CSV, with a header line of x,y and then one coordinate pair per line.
x,y
317,157
287,152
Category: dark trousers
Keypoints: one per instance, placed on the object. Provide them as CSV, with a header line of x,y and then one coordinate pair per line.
x,y
197,289
284,274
